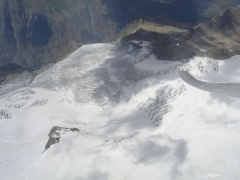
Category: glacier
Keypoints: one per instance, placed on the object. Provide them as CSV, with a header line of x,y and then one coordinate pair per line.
x,y
137,119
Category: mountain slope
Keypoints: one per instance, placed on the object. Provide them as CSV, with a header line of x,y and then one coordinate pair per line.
x,y
216,38
34,33
40,32
136,119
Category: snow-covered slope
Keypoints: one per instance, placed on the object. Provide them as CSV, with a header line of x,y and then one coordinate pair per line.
x,y
136,119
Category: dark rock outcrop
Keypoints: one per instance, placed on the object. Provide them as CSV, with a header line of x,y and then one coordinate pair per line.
x,y
34,33
56,133
167,44
217,38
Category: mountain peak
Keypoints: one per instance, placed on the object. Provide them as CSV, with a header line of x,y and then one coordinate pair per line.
x,y
230,18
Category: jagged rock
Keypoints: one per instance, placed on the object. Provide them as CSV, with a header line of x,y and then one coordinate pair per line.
x,y
169,44
219,38
216,38
55,135
34,33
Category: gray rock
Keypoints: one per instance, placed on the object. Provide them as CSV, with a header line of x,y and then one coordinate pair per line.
x,y
55,135
34,33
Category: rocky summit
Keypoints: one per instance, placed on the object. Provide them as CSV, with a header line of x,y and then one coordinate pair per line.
x,y
217,37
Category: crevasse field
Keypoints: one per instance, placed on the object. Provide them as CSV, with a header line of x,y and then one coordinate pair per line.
x,y
137,119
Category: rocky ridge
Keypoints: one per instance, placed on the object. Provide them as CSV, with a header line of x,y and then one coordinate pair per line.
x,y
216,38
34,33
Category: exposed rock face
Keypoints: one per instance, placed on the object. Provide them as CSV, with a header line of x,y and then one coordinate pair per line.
x,y
167,42
56,133
8,44
33,33
217,38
